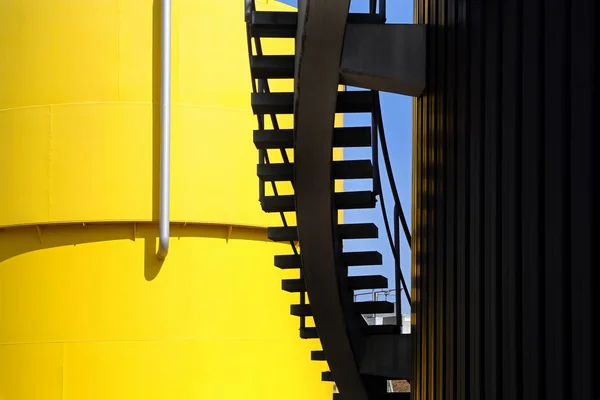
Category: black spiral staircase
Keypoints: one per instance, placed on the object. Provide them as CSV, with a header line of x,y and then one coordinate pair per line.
x,y
362,357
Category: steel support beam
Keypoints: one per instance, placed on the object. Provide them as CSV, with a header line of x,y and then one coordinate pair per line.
x,y
388,356
388,58
319,41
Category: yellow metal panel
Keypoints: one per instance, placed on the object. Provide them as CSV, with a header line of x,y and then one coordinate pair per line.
x,y
86,310
24,165
213,312
31,371
90,73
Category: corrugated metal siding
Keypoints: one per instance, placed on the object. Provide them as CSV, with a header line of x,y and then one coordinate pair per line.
x,y
504,188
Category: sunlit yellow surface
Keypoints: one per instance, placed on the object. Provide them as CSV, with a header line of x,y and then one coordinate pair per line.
x,y
86,310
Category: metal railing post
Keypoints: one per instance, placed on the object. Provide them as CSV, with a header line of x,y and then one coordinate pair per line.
x,y
397,271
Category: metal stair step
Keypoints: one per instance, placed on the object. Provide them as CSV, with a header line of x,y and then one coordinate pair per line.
x,y
326,376
300,310
354,283
360,258
284,138
281,203
358,231
350,259
288,261
273,24
345,231
283,102
309,333
272,67
283,233
346,169
283,24
379,329
373,307
363,307
367,282
354,200
343,201
318,355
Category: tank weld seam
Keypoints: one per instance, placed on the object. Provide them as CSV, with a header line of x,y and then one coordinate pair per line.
x,y
174,104
212,338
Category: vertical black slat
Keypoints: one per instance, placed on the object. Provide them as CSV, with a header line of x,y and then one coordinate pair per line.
x,y
583,128
425,219
416,307
416,250
431,216
493,90
440,88
462,202
510,189
476,129
532,201
555,194
450,167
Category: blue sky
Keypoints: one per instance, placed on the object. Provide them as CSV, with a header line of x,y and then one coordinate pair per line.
x,y
397,117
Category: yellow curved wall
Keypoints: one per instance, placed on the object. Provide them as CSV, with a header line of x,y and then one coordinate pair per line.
x,y
86,310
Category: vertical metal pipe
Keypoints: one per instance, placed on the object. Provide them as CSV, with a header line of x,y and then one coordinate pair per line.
x,y
382,10
397,271
165,125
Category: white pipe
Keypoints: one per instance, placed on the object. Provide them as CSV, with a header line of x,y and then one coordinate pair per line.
x,y
165,126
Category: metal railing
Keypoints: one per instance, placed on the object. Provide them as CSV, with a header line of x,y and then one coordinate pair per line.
x,y
378,136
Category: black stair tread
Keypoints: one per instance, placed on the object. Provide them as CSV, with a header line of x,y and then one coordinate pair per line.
x,y
358,231
367,282
354,283
382,396
309,333
373,307
283,233
300,310
363,307
344,169
283,24
354,200
284,138
379,329
356,101
281,203
326,376
273,24
288,261
343,201
272,67
345,231
318,355
351,259
360,258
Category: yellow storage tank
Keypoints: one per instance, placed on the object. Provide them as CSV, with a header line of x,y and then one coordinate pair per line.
x,y
86,309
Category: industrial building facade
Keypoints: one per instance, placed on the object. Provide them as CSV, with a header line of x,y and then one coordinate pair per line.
x,y
505,202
